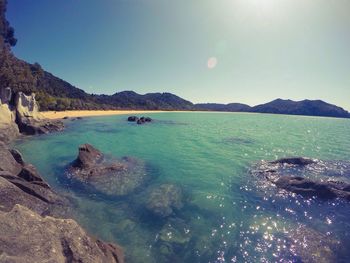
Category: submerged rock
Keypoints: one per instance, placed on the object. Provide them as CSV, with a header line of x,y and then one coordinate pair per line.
x,y
307,177
28,237
310,188
175,232
312,246
164,199
109,176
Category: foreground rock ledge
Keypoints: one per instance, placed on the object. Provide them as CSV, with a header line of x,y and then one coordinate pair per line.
x,y
28,237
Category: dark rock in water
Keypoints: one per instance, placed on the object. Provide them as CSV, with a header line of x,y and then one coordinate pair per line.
x,y
133,118
163,199
138,120
307,177
65,118
310,188
294,161
88,156
111,177
28,237
79,118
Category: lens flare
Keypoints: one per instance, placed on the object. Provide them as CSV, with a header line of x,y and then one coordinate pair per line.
x,y
212,62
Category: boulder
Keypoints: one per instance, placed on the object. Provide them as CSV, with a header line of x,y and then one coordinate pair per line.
x,y
88,156
105,175
325,179
309,188
28,237
138,120
301,161
164,199
133,118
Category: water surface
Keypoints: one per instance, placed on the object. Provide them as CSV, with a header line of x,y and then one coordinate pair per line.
x,y
227,216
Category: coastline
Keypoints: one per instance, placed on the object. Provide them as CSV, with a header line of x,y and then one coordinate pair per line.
x,y
54,115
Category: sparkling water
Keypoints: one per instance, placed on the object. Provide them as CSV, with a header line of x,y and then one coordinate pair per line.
x,y
226,216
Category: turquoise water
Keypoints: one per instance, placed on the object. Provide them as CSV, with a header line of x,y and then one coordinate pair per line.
x,y
227,216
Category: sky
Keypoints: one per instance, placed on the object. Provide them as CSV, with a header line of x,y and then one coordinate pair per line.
x,y
248,51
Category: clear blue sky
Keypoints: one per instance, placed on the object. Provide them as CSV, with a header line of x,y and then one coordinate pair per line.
x,y
249,51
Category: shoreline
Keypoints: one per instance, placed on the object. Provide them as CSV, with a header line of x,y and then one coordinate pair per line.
x,y
54,115
58,115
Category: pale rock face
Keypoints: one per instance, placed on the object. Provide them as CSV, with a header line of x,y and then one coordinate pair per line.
x,y
8,127
27,106
7,115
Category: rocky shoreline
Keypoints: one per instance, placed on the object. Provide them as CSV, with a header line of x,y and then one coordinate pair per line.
x,y
35,224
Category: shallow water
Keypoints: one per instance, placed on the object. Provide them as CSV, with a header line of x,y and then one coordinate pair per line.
x,y
228,215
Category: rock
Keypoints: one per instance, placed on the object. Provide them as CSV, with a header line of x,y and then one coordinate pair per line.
x,y
289,174
141,120
65,118
88,156
313,246
294,161
20,183
175,231
28,237
163,200
29,119
8,127
17,156
133,118
115,177
8,162
310,188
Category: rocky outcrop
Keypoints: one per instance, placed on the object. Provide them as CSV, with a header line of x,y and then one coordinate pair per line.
x,y
28,237
325,179
105,175
310,188
138,120
28,118
20,183
163,200
19,114
8,127
29,230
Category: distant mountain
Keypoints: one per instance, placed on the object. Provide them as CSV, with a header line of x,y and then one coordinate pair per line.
x,y
305,107
231,107
149,101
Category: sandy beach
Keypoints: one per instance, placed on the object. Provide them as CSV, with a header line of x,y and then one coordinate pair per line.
x,y
90,113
